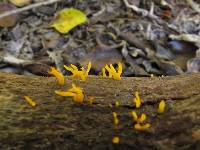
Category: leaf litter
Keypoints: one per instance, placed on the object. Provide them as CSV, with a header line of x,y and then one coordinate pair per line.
x,y
148,37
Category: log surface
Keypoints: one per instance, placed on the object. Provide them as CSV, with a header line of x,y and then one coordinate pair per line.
x,y
58,123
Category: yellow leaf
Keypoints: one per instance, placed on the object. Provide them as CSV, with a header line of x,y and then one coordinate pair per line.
x,y
67,19
20,3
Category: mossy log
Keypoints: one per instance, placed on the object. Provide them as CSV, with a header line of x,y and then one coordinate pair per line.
x,y
58,123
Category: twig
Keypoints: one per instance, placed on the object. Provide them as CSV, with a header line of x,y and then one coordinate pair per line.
x,y
13,60
186,37
8,13
142,11
103,8
148,32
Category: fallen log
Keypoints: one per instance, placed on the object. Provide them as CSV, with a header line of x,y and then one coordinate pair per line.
x,y
58,123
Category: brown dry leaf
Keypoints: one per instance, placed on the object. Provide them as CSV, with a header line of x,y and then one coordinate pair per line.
x,y
104,17
101,56
37,68
134,2
166,14
20,3
8,21
135,39
169,68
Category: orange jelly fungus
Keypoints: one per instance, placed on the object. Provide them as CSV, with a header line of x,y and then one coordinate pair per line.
x,y
140,127
115,140
75,92
30,101
134,115
104,72
137,100
112,72
90,100
137,119
79,73
142,118
161,107
116,120
117,104
110,105
59,76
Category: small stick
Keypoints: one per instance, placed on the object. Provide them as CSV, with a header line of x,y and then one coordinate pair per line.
x,y
8,13
142,11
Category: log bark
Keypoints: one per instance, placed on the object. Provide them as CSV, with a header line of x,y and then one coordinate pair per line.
x,y
58,123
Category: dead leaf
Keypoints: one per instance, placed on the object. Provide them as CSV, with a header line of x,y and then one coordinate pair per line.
x,y
104,17
166,14
135,39
8,21
169,68
101,56
37,68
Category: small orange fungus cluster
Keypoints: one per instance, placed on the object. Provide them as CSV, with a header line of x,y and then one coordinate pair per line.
x,y
30,101
115,139
59,76
140,126
79,73
75,92
139,120
112,73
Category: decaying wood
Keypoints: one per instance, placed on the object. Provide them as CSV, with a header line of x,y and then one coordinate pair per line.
x,y
57,123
